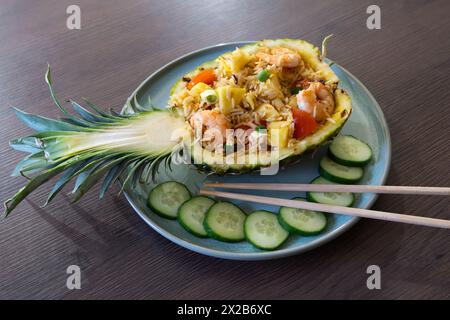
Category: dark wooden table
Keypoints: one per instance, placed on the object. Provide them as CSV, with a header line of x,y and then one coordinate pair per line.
x,y
406,65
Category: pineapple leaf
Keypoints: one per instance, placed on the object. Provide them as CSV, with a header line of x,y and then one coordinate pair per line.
x,y
96,108
140,108
63,180
108,180
84,173
40,124
115,177
48,80
134,166
26,144
154,168
144,172
77,122
325,44
32,158
34,183
32,163
118,115
138,174
88,116
94,177
122,167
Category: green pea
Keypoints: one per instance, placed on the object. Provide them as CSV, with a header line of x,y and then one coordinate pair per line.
x,y
263,75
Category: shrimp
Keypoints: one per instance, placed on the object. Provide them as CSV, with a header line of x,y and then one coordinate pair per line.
x,y
316,100
213,125
281,57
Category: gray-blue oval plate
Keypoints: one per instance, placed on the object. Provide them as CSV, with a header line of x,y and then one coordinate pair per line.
x,y
366,122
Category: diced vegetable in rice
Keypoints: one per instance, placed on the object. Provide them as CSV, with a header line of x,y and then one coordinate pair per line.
x,y
260,88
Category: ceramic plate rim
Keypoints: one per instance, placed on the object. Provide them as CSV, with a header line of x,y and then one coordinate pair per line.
x,y
263,255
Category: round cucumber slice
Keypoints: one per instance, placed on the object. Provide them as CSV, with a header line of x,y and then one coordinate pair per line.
x,y
339,173
224,221
344,199
263,230
302,221
192,214
166,198
349,151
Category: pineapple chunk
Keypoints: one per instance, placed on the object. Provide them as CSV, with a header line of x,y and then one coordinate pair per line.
x,y
226,70
267,112
239,59
237,94
227,95
199,88
250,100
279,133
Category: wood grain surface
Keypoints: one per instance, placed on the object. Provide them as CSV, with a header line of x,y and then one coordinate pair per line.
x,y
406,65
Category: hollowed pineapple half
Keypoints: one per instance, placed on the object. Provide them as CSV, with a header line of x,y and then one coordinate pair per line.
x,y
93,144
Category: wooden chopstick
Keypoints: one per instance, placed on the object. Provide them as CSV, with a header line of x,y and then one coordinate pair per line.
x,y
372,214
438,191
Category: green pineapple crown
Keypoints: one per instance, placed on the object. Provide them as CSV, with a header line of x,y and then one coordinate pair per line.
x,y
88,145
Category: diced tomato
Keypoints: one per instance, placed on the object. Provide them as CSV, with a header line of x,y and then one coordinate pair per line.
x,y
305,124
206,76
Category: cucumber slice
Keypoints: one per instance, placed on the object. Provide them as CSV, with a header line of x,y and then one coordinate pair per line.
x,y
344,199
263,230
338,173
166,198
192,214
224,221
349,151
302,221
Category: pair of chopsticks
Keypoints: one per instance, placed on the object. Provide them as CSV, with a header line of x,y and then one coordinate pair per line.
x,y
365,213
